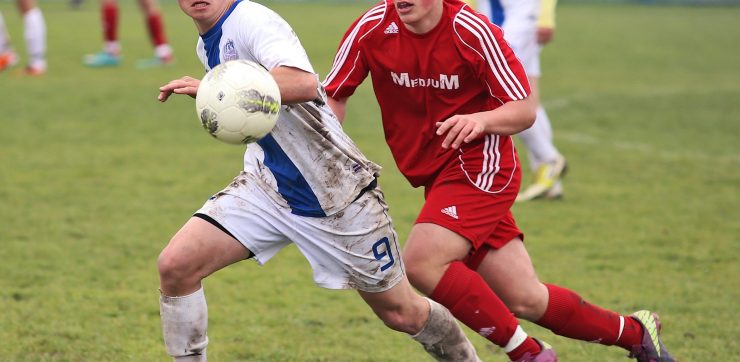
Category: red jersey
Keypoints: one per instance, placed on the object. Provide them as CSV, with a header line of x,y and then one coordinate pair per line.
x,y
462,66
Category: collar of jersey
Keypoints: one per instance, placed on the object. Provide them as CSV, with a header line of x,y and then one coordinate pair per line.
x,y
216,27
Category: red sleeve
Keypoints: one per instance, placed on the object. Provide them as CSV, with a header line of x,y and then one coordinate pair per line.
x,y
350,67
483,44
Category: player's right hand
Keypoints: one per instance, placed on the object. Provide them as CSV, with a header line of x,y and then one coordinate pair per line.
x,y
185,85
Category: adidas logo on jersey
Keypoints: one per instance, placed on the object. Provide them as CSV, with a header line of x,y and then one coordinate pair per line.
x,y
450,211
392,29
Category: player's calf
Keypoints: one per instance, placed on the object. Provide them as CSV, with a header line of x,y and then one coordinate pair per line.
x,y
443,338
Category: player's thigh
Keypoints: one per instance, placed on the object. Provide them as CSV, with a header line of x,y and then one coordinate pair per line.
x,y
429,249
430,243
201,248
356,248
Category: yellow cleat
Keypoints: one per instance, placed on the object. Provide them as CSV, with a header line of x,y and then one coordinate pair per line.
x,y
547,182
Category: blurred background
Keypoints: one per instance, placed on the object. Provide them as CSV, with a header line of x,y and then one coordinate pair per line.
x,y
96,175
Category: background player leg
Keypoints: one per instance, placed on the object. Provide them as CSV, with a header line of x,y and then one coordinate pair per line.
x,y
544,158
110,56
155,27
8,57
34,31
196,251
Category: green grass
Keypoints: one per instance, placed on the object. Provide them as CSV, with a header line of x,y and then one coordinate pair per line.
x,y
97,175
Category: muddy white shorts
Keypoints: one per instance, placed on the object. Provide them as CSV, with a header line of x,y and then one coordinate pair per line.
x,y
355,248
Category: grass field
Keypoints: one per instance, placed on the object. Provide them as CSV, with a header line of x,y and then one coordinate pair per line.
x,y
97,175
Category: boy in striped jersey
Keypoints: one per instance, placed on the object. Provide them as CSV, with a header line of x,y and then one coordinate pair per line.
x,y
451,92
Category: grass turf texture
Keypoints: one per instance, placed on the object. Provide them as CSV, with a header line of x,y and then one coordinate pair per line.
x,y
97,175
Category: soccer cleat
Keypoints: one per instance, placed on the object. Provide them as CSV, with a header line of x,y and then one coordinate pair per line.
x,y
8,59
101,60
547,354
547,182
155,62
651,349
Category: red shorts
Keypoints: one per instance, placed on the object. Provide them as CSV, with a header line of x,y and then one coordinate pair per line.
x,y
484,218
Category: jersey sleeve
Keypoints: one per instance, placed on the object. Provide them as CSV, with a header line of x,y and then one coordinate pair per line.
x,y
273,42
482,44
546,18
350,68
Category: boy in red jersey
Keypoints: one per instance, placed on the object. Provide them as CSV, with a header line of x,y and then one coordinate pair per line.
x,y
451,92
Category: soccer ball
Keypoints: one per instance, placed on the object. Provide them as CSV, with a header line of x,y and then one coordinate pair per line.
x,y
238,102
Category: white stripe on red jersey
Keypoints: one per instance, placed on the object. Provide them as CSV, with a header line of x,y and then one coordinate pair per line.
x,y
462,66
493,54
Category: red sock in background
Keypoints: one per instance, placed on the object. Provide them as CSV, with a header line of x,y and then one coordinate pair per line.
x,y
471,301
156,29
109,13
570,316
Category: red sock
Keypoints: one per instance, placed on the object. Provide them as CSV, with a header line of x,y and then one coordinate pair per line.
x,y
109,13
471,301
156,29
570,316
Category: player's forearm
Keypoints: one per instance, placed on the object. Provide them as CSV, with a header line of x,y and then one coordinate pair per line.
x,y
296,86
511,118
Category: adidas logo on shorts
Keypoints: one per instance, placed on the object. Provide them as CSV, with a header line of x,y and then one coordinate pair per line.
x,y
450,211
392,29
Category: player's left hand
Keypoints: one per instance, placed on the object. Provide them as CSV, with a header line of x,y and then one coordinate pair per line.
x,y
185,85
461,128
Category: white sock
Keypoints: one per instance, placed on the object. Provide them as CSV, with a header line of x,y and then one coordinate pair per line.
x,y
163,51
538,140
185,326
4,36
516,340
112,47
443,338
35,33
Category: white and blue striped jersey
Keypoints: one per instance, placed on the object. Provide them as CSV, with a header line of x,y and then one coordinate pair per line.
x,y
309,161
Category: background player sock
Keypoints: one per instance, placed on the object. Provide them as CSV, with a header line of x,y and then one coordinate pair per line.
x,y
570,316
35,35
538,141
185,326
109,13
442,337
156,29
4,37
471,301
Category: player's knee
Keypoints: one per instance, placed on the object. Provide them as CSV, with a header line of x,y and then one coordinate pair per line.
x,y
528,304
174,268
397,320
523,308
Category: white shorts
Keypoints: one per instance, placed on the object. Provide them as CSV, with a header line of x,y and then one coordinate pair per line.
x,y
355,248
520,31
